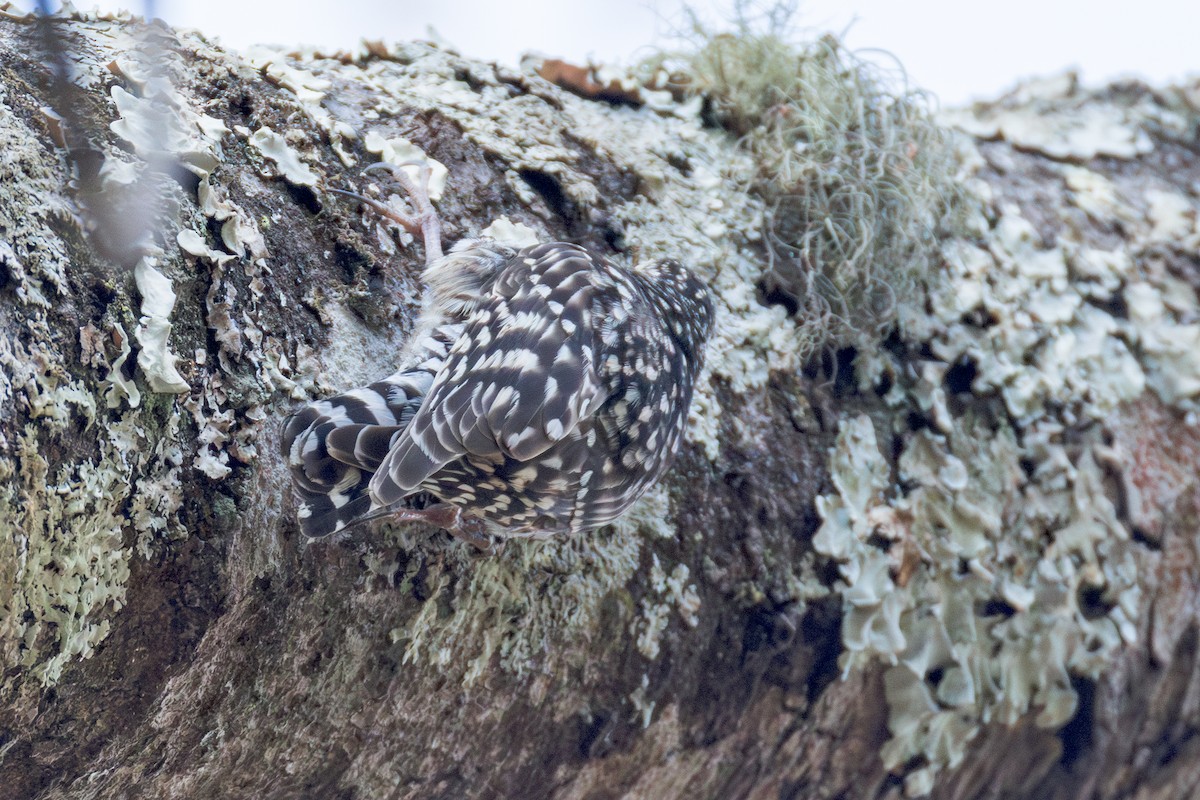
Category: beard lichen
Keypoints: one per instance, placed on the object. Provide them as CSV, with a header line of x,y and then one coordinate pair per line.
x,y
855,176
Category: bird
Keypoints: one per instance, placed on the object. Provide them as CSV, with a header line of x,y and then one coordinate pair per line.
x,y
545,390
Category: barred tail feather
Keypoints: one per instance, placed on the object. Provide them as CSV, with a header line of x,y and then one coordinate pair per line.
x,y
364,446
319,517
334,446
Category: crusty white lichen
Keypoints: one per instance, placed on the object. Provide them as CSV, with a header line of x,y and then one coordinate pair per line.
x,y
63,533
276,148
1055,117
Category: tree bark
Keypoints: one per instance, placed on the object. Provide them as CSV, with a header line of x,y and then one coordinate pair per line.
x,y
962,562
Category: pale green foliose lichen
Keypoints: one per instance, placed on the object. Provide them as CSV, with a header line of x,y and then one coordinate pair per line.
x,y
993,569
63,534
970,582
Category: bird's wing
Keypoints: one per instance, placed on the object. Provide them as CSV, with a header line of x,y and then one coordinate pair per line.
x,y
520,378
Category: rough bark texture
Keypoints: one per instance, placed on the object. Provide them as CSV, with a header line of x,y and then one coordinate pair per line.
x,y
167,633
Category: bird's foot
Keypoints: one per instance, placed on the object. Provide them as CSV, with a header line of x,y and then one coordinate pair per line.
x,y
425,221
450,518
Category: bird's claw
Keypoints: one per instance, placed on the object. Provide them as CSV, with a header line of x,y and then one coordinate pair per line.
x,y
465,527
425,221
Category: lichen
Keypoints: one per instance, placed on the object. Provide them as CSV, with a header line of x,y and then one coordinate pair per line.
x,y
151,130
89,469
275,147
972,583
505,231
854,176
155,359
994,569
520,610
68,567
403,154
667,592
1055,117
533,605
62,537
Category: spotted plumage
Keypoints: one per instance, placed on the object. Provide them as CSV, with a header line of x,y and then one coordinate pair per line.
x,y
547,390
561,399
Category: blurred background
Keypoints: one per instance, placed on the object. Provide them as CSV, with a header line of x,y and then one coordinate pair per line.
x,y
958,49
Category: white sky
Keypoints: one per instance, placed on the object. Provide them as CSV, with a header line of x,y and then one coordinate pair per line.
x,y
959,50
